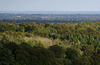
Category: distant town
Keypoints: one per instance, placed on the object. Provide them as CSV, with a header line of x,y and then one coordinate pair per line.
x,y
49,16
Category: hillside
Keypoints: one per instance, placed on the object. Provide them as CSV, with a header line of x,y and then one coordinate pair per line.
x,y
58,43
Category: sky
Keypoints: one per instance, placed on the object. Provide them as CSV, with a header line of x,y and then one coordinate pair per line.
x,y
49,5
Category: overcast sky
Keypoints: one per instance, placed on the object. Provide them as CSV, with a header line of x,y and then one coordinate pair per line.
x,y
49,5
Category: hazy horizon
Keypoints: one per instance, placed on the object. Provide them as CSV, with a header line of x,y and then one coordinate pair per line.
x,y
51,12
49,5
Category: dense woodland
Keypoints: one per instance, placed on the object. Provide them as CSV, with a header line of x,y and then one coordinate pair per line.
x,y
49,43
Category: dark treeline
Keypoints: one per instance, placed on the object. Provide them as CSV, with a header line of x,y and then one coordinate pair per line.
x,y
24,54
49,43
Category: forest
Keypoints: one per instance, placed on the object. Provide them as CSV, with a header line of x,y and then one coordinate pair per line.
x,y
30,43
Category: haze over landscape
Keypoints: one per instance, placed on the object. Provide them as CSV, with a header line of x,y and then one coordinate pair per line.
x,y
49,32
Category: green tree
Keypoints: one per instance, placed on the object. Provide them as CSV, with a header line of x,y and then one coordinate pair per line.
x,y
44,57
22,57
11,46
40,44
88,50
6,57
67,62
86,60
58,51
96,59
72,53
5,40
